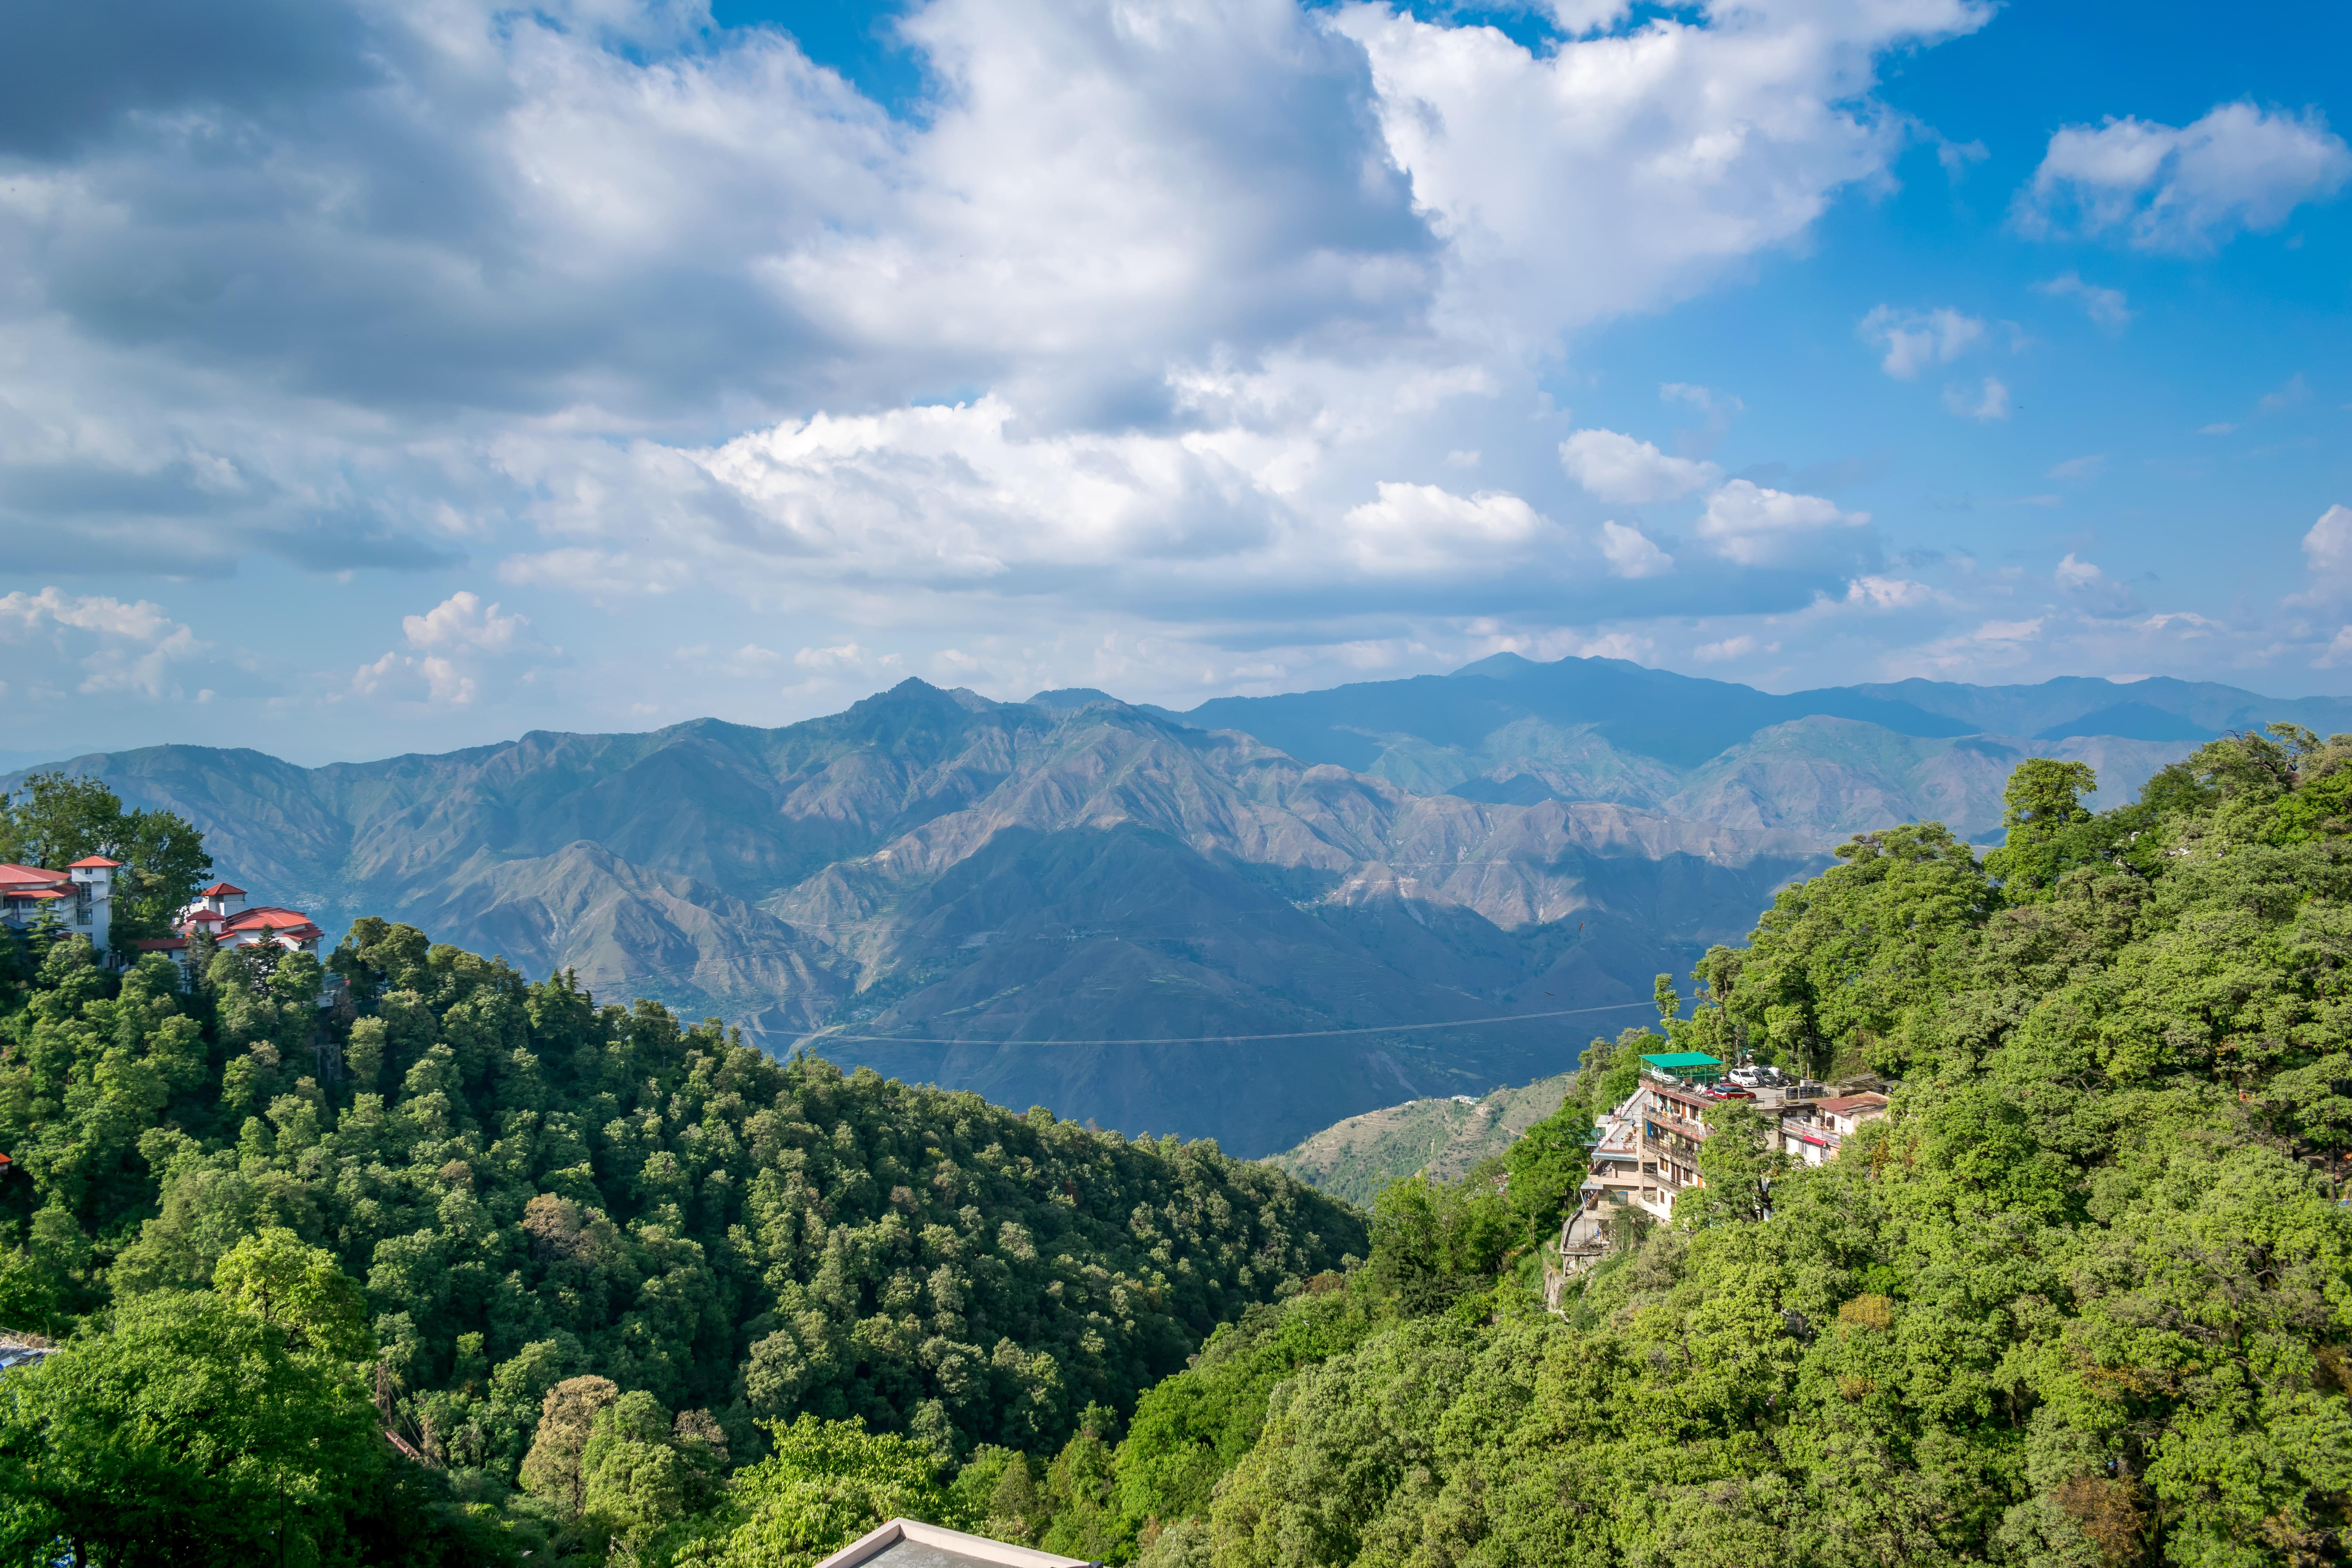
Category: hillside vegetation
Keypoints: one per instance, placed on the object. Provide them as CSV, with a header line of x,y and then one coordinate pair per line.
x,y
552,1225
2084,1298
1442,1138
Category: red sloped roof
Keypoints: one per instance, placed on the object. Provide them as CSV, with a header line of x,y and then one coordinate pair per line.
x,y
34,893
269,917
206,916
88,861
221,889
28,874
160,943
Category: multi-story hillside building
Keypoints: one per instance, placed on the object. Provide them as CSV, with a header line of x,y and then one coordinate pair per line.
x,y
220,912
1813,1131
82,894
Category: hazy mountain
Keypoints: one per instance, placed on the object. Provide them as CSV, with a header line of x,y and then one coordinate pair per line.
x,y
1108,909
1827,761
980,894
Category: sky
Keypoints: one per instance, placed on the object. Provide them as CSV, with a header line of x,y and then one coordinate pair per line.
x,y
383,377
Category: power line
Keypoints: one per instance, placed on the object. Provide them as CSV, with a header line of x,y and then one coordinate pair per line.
x,y
822,1037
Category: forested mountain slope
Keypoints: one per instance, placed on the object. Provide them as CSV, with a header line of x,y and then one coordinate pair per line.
x,y
2084,1297
1443,1139
529,1189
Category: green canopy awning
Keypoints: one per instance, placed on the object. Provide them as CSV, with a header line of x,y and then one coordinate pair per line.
x,y
1695,1065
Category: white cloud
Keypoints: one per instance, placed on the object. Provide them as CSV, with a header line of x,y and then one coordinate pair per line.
x,y
2108,308
2072,573
1620,469
1887,594
2338,651
1752,525
2084,468
2158,187
2009,631
1629,553
1987,401
1914,341
1687,144
2328,559
462,623
93,644
401,678
1741,646
1420,528
2293,391
846,655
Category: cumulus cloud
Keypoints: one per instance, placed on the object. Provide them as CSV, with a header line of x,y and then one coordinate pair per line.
x,y
1744,646
1145,307
1875,592
93,645
401,678
1914,341
2187,188
1631,555
2108,308
1417,528
1619,468
1987,400
462,623
2328,559
1752,525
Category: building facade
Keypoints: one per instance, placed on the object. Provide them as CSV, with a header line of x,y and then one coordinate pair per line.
x,y
82,894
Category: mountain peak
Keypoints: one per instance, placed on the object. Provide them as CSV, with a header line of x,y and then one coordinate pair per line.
x,y
1069,696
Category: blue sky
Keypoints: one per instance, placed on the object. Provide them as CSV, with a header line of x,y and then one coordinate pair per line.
x,y
382,377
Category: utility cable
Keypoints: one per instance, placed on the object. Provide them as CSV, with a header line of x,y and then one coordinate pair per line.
x,y
821,1036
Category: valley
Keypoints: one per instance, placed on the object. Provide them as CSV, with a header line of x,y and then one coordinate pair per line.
x,y
1247,921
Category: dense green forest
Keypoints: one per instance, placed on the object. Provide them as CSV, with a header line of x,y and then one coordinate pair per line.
x,y
591,1262
2084,1298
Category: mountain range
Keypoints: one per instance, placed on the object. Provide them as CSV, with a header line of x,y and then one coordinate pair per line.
x,y
1247,920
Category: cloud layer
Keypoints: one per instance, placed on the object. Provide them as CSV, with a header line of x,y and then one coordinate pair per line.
x,y
1221,333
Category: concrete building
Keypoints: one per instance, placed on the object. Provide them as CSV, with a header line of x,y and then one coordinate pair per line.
x,y
220,912
82,894
1813,1131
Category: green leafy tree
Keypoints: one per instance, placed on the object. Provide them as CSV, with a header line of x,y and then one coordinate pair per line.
x,y
185,1430
53,820
824,1484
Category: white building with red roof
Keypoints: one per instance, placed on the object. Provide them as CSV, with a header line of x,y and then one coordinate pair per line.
x,y
220,912
82,894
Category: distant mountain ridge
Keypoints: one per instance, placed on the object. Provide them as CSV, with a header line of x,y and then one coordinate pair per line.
x,y
982,894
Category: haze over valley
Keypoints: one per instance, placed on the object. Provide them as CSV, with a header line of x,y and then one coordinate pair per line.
x,y
1035,883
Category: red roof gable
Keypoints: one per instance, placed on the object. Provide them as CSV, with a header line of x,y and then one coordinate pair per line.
x,y
28,874
221,889
89,860
268,915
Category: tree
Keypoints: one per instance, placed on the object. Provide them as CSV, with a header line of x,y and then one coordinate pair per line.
x,y
2043,814
1736,1167
53,820
827,1483
184,1431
